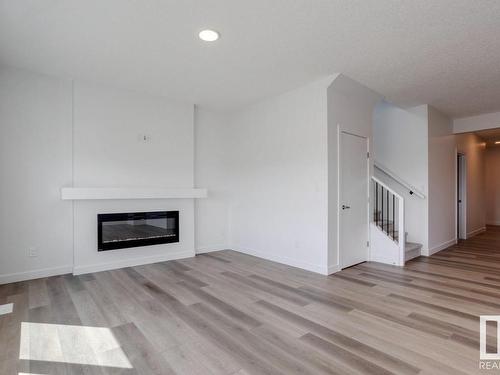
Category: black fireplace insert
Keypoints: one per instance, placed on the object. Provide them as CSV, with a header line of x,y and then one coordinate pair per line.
x,y
133,229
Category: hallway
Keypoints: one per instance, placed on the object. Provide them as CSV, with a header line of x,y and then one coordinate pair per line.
x,y
479,254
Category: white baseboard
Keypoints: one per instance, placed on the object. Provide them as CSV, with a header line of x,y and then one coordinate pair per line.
x,y
324,270
442,246
209,249
79,270
476,232
35,274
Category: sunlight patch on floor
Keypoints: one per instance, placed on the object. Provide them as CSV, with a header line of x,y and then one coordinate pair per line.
x,y
83,345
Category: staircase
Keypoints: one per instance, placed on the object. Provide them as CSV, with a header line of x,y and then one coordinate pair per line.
x,y
386,225
412,249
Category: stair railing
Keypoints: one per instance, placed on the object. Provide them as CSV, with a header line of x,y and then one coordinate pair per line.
x,y
388,214
412,190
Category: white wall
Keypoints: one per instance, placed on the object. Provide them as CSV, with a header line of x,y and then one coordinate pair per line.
x,y
442,182
493,185
400,143
350,109
267,170
271,171
474,148
265,167
400,140
35,161
475,123
109,152
51,138
212,172
277,168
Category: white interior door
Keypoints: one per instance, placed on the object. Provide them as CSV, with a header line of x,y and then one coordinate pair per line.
x,y
461,196
353,199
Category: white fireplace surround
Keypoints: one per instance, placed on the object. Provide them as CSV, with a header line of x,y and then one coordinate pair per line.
x,y
87,259
88,202
83,193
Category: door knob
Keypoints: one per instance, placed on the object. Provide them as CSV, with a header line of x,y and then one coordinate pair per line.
x,y
344,207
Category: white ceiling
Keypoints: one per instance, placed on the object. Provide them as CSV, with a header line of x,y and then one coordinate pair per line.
x,y
442,52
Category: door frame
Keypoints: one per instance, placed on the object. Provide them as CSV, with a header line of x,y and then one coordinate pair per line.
x,y
339,193
461,193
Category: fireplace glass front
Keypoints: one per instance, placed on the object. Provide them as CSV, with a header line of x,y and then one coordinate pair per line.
x,y
134,229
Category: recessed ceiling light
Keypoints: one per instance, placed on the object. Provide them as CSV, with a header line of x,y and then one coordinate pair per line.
x,y
208,35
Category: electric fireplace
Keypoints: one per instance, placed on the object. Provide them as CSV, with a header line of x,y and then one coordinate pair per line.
x,y
133,229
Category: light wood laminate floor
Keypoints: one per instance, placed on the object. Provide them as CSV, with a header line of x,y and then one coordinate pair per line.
x,y
229,313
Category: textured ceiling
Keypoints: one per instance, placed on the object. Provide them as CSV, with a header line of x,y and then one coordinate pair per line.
x,y
490,134
445,53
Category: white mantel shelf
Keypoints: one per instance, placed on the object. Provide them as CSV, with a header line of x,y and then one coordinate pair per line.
x,y
81,193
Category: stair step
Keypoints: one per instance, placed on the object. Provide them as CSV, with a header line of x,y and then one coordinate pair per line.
x,y
412,250
386,225
410,246
390,222
387,229
396,234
